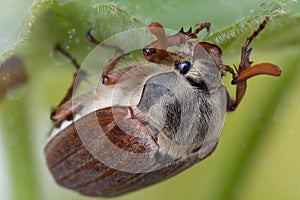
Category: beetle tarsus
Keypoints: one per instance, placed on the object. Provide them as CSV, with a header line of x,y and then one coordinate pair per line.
x,y
231,105
201,26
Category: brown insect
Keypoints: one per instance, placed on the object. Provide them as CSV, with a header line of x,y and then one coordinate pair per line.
x,y
152,120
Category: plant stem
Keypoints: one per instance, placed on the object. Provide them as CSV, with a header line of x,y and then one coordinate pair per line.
x,y
17,140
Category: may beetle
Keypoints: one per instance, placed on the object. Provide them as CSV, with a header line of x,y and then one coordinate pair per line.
x,y
151,120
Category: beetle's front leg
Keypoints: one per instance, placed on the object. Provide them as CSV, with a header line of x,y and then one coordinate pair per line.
x,y
246,71
157,51
200,27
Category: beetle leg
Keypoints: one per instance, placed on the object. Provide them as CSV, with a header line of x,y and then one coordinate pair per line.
x,y
119,54
246,71
67,107
67,110
93,40
79,75
111,64
157,51
112,78
163,41
200,27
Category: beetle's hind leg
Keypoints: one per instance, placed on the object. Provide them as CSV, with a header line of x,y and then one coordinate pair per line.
x,y
78,76
66,109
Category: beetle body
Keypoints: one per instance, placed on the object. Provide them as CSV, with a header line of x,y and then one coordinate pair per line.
x,y
178,122
148,121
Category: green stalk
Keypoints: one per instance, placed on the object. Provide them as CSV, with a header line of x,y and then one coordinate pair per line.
x,y
17,141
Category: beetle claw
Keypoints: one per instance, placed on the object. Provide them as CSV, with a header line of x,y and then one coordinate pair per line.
x,y
181,30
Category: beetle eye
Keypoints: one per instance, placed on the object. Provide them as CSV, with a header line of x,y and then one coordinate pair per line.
x,y
184,67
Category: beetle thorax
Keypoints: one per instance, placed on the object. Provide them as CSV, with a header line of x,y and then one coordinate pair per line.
x,y
178,113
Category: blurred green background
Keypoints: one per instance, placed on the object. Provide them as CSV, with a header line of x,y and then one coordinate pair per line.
x,y
258,154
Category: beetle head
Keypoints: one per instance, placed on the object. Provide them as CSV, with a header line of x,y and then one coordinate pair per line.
x,y
202,69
